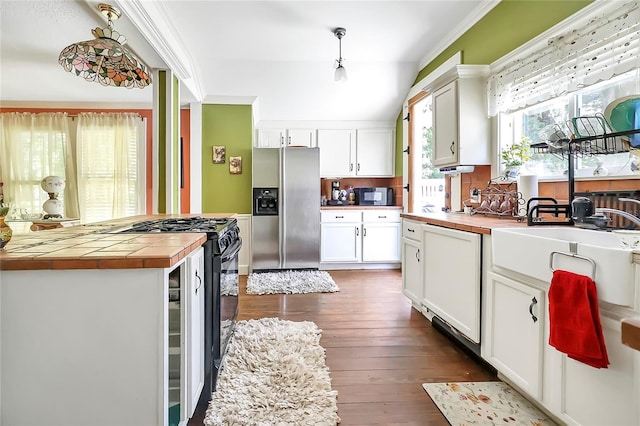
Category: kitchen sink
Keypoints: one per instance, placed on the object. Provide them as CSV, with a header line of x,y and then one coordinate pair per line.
x,y
597,254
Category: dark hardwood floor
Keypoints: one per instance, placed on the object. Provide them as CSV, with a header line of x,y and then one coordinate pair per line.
x,y
379,350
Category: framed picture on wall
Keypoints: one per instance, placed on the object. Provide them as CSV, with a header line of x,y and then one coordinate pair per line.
x,y
219,154
235,165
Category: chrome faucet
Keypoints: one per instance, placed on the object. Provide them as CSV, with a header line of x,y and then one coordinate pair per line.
x,y
600,214
599,220
629,200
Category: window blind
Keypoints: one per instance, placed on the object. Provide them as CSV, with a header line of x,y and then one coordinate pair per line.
x,y
605,45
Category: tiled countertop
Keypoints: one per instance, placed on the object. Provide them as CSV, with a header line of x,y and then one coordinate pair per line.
x,y
91,247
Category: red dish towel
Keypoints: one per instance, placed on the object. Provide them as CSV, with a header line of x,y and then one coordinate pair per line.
x,y
574,319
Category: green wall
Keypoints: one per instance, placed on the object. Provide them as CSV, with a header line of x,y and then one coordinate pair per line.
x,y
507,26
162,138
229,126
176,145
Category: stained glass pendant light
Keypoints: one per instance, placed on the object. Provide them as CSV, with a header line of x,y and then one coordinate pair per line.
x,y
105,60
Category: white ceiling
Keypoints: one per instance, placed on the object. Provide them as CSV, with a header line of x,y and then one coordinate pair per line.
x,y
280,52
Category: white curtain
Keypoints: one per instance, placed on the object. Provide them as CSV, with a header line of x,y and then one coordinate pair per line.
x,y
107,162
608,44
33,146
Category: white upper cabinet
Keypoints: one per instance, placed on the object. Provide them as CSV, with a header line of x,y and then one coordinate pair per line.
x,y
276,138
301,137
270,138
375,152
337,152
460,118
362,152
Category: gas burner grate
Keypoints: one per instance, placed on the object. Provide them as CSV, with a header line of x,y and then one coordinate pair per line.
x,y
182,224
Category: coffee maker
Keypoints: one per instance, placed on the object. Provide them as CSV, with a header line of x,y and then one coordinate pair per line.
x,y
335,190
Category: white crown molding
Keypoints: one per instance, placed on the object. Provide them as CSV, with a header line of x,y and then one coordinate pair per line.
x,y
483,8
229,100
428,80
152,20
324,124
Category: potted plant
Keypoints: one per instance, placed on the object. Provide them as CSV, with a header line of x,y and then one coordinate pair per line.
x,y
515,155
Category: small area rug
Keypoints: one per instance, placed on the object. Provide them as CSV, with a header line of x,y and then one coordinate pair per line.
x,y
274,373
484,403
291,282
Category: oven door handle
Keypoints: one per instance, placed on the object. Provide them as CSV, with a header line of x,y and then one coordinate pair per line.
x,y
231,251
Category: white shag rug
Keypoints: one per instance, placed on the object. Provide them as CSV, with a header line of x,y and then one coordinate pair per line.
x,y
274,373
291,282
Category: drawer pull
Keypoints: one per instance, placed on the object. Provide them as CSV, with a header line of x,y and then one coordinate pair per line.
x,y
382,217
339,217
410,230
534,302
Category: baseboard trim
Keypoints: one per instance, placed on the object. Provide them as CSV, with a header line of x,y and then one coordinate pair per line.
x,y
328,266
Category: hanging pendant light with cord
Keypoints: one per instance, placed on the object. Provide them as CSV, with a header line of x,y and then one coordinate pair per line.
x,y
105,60
341,72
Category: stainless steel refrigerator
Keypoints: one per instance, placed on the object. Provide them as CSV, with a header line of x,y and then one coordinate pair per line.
x,y
285,229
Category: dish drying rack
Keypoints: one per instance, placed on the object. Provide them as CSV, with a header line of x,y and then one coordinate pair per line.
x,y
586,136
500,198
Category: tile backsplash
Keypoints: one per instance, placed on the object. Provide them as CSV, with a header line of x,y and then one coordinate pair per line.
x,y
394,182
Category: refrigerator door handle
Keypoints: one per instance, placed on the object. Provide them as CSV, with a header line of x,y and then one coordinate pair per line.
x,y
282,243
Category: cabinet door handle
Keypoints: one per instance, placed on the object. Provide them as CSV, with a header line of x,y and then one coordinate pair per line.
x,y
199,282
358,167
289,140
418,255
357,231
451,147
534,302
364,232
350,167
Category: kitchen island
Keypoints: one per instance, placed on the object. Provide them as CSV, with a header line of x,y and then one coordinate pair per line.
x,y
88,332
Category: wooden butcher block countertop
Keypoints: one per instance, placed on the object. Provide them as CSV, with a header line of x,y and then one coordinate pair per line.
x,y
478,223
91,246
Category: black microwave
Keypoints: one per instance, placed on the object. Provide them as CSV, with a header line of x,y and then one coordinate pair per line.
x,y
374,196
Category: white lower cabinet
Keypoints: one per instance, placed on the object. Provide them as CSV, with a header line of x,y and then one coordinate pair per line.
x,y
194,330
412,286
357,237
340,242
516,343
592,397
452,277
381,236
513,343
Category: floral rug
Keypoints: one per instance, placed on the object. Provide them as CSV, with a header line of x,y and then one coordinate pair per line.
x,y
484,403
274,373
291,282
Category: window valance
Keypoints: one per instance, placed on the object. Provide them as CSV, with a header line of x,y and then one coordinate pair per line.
x,y
605,44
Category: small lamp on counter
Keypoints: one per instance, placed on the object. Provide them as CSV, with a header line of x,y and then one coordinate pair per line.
x,y
52,185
